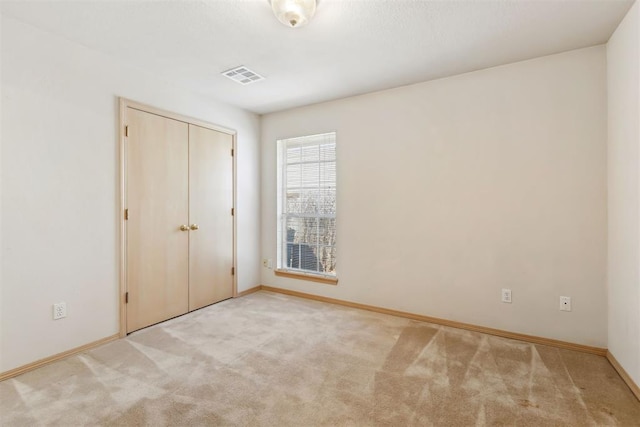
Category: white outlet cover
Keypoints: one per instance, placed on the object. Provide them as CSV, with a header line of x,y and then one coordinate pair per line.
x,y
59,310
565,303
506,295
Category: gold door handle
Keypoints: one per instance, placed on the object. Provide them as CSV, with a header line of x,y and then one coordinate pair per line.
x,y
184,227
194,227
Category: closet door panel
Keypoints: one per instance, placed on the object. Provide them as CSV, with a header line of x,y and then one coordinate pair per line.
x,y
157,203
210,203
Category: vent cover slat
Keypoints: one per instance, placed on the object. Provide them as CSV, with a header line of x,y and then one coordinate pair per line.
x,y
242,75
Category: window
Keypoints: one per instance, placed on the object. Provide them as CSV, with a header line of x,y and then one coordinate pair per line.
x,y
307,205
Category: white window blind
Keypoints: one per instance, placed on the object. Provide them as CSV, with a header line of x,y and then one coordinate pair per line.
x,y
307,204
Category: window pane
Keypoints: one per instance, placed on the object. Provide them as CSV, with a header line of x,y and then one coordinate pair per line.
x,y
294,175
293,225
327,172
308,259
310,203
310,175
310,153
327,203
308,231
301,256
327,231
328,151
293,153
294,202
327,259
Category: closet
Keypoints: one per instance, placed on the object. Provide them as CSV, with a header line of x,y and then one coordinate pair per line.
x,y
178,209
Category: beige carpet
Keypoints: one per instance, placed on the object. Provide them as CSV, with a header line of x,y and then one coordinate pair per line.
x,y
273,360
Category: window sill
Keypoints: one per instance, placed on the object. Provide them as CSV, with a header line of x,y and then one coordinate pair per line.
x,y
307,276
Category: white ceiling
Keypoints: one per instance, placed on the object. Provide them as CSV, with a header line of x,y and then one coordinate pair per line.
x,y
350,47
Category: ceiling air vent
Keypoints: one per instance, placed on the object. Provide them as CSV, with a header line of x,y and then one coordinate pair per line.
x,y
243,75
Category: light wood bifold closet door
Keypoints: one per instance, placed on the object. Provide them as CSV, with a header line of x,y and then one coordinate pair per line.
x,y
210,203
179,200
157,203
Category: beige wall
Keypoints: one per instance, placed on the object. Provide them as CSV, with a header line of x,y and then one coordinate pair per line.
x,y
60,199
452,189
623,72
448,191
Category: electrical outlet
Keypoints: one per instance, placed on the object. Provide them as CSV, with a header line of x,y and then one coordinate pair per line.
x,y
266,262
506,295
59,310
565,303
269,263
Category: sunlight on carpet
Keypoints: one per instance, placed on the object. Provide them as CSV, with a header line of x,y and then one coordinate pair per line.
x,y
274,360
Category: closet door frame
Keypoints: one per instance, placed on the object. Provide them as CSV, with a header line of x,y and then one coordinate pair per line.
x,y
122,222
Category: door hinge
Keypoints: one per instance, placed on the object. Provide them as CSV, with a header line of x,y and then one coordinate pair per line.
x,y
233,271
126,131
126,214
126,298
232,152
232,211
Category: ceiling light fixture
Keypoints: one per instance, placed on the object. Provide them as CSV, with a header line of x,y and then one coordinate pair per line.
x,y
294,13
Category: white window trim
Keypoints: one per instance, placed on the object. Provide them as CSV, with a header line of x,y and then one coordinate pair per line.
x,y
282,270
